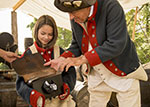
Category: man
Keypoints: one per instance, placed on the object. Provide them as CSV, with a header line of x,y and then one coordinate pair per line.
x,y
101,40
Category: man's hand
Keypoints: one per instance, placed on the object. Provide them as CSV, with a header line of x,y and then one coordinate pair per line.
x,y
8,56
73,62
61,63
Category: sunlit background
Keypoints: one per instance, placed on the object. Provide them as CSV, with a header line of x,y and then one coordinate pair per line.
x,y
22,20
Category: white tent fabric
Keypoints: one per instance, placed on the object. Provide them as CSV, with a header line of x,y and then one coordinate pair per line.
x,y
128,4
37,8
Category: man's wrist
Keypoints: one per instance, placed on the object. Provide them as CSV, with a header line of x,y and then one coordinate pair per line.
x,y
61,57
83,58
2,53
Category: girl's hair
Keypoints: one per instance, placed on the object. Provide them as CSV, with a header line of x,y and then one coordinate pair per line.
x,y
45,20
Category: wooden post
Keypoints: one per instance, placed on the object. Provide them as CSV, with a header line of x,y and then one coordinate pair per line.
x,y
14,28
14,21
135,19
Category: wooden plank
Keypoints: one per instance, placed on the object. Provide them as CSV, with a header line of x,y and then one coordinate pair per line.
x,y
7,70
19,3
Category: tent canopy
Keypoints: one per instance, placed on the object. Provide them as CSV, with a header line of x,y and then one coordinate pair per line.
x,y
37,8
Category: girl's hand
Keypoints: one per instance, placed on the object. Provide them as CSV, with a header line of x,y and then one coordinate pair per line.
x,y
55,63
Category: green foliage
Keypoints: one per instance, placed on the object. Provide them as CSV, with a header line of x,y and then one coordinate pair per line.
x,y
3,66
64,37
31,25
142,31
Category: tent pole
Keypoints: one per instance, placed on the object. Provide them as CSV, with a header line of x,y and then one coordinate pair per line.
x,y
19,3
14,28
135,19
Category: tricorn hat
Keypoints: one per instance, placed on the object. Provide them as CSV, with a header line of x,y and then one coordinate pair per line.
x,y
72,5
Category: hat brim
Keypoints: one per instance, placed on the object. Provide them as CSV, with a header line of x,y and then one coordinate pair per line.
x,y
61,7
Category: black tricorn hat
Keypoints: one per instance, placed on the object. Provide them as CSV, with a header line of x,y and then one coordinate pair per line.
x,y
73,5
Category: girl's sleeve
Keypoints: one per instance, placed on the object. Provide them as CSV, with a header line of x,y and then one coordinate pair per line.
x,y
69,77
23,89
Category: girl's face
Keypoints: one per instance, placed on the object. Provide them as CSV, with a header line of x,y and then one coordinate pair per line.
x,y
45,34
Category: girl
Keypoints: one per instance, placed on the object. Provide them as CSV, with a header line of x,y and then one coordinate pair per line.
x,y
45,34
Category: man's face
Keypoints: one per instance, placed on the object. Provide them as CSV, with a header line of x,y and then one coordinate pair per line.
x,y
81,15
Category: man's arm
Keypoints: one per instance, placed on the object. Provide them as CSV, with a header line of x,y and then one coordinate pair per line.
x,y
60,63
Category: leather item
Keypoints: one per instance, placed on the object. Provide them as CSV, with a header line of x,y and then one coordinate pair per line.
x,y
43,79
31,67
54,88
